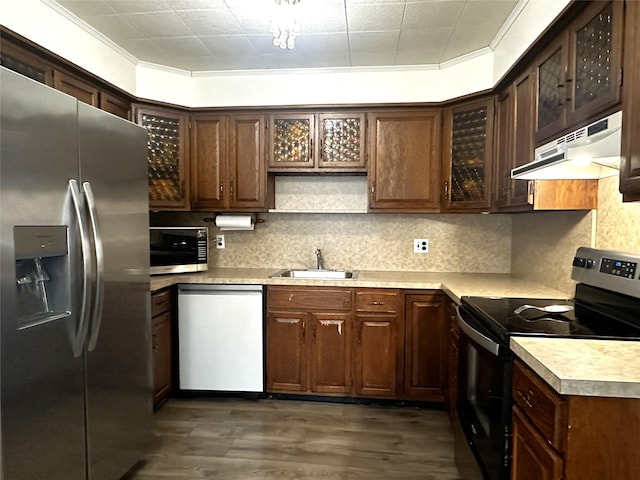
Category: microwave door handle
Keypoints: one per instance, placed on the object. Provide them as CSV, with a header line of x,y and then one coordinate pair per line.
x,y
96,315
482,340
83,317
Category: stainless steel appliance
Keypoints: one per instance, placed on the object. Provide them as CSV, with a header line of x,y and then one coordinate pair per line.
x,y
75,377
179,249
606,306
220,331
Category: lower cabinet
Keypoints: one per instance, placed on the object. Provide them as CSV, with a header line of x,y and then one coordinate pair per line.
x,y
571,437
364,342
453,356
308,340
162,315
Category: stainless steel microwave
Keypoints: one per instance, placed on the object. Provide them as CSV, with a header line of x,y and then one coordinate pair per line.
x,y
178,249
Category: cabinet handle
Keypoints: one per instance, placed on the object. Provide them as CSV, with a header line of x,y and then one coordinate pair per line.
x,y
321,149
376,303
446,190
311,149
231,189
359,333
221,189
313,332
526,398
304,331
373,191
346,304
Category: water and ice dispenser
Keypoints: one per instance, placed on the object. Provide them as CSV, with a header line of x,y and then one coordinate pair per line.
x,y
42,274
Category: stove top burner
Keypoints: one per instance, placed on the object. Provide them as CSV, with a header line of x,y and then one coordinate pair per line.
x,y
581,321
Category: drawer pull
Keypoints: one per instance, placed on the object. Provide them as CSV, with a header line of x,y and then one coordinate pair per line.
x,y
526,398
376,303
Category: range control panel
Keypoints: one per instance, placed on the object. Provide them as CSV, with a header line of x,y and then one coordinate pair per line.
x,y
619,268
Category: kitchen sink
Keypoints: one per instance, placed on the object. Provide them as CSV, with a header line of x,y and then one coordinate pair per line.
x,y
317,274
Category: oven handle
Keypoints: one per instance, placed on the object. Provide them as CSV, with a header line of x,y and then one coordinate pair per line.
x,y
482,340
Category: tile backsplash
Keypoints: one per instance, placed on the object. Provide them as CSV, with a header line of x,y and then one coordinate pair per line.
x,y
457,243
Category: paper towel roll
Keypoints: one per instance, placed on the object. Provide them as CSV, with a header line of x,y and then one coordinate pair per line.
x,y
235,222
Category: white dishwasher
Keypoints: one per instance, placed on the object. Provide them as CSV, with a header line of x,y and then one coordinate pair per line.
x,y
220,337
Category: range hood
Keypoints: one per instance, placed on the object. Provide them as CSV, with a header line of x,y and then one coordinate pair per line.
x,y
590,152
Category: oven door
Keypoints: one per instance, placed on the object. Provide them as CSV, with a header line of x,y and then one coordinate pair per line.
x,y
484,398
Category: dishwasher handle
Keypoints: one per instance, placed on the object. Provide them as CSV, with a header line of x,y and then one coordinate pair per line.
x,y
212,288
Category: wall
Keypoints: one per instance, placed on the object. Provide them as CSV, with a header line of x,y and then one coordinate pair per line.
x,y
458,243
617,224
46,24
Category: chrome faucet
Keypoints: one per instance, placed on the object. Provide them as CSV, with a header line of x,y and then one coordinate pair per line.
x,y
319,262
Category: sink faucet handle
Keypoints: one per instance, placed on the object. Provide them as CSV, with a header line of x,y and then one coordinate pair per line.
x,y
319,262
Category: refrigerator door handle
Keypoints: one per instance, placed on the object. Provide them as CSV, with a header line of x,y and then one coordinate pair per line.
x,y
98,301
83,322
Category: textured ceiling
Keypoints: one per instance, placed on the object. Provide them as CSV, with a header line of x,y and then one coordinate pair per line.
x,y
214,35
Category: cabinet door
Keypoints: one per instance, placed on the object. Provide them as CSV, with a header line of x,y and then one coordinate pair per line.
x,y
504,147
630,154
162,357
533,458
286,351
208,162
453,359
468,157
291,142
376,355
404,172
76,87
167,153
247,167
342,141
596,60
116,105
552,94
330,355
426,332
25,63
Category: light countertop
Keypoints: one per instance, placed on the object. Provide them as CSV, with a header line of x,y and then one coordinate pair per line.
x,y
455,285
602,368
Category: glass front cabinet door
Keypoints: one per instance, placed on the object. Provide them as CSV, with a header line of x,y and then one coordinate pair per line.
x,y
468,147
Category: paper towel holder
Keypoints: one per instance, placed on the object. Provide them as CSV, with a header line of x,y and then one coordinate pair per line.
x,y
254,218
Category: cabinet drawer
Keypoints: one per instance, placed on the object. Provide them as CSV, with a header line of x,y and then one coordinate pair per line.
x,y
322,299
543,407
160,302
377,301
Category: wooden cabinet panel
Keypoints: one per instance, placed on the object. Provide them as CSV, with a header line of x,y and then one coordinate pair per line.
x,y
377,300
579,74
25,63
208,157
426,333
116,105
341,142
76,87
453,359
331,353
376,355
630,148
287,351
404,171
468,156
247,167
162,357
533,459
310,298
162,313
167,154
291,138
563,194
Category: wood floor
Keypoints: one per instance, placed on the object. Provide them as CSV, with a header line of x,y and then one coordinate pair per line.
x,y
286,440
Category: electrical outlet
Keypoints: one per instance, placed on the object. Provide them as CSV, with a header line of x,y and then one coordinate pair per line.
x,y
219,241
421,245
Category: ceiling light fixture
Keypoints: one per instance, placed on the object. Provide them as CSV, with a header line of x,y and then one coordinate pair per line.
x,y
284,26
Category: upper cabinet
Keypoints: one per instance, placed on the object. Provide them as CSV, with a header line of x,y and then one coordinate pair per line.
x,y
84,91
513,135
308,142
467,157
579,73
228,169
630,154
404,169
26,63
167,153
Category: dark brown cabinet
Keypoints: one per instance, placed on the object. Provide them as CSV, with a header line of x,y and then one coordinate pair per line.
x,y
630,148
571,437
426,336
579,74
208,162
404,161
76,87
25,63
167,154
452,359
377,343
116,105
308,340
468,157
162,313
291,138
514,142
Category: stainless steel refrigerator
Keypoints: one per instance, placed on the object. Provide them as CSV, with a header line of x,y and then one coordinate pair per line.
x,y
75,348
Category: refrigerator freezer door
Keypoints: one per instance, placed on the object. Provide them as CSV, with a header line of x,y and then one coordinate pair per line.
x,y
42,383
119,398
